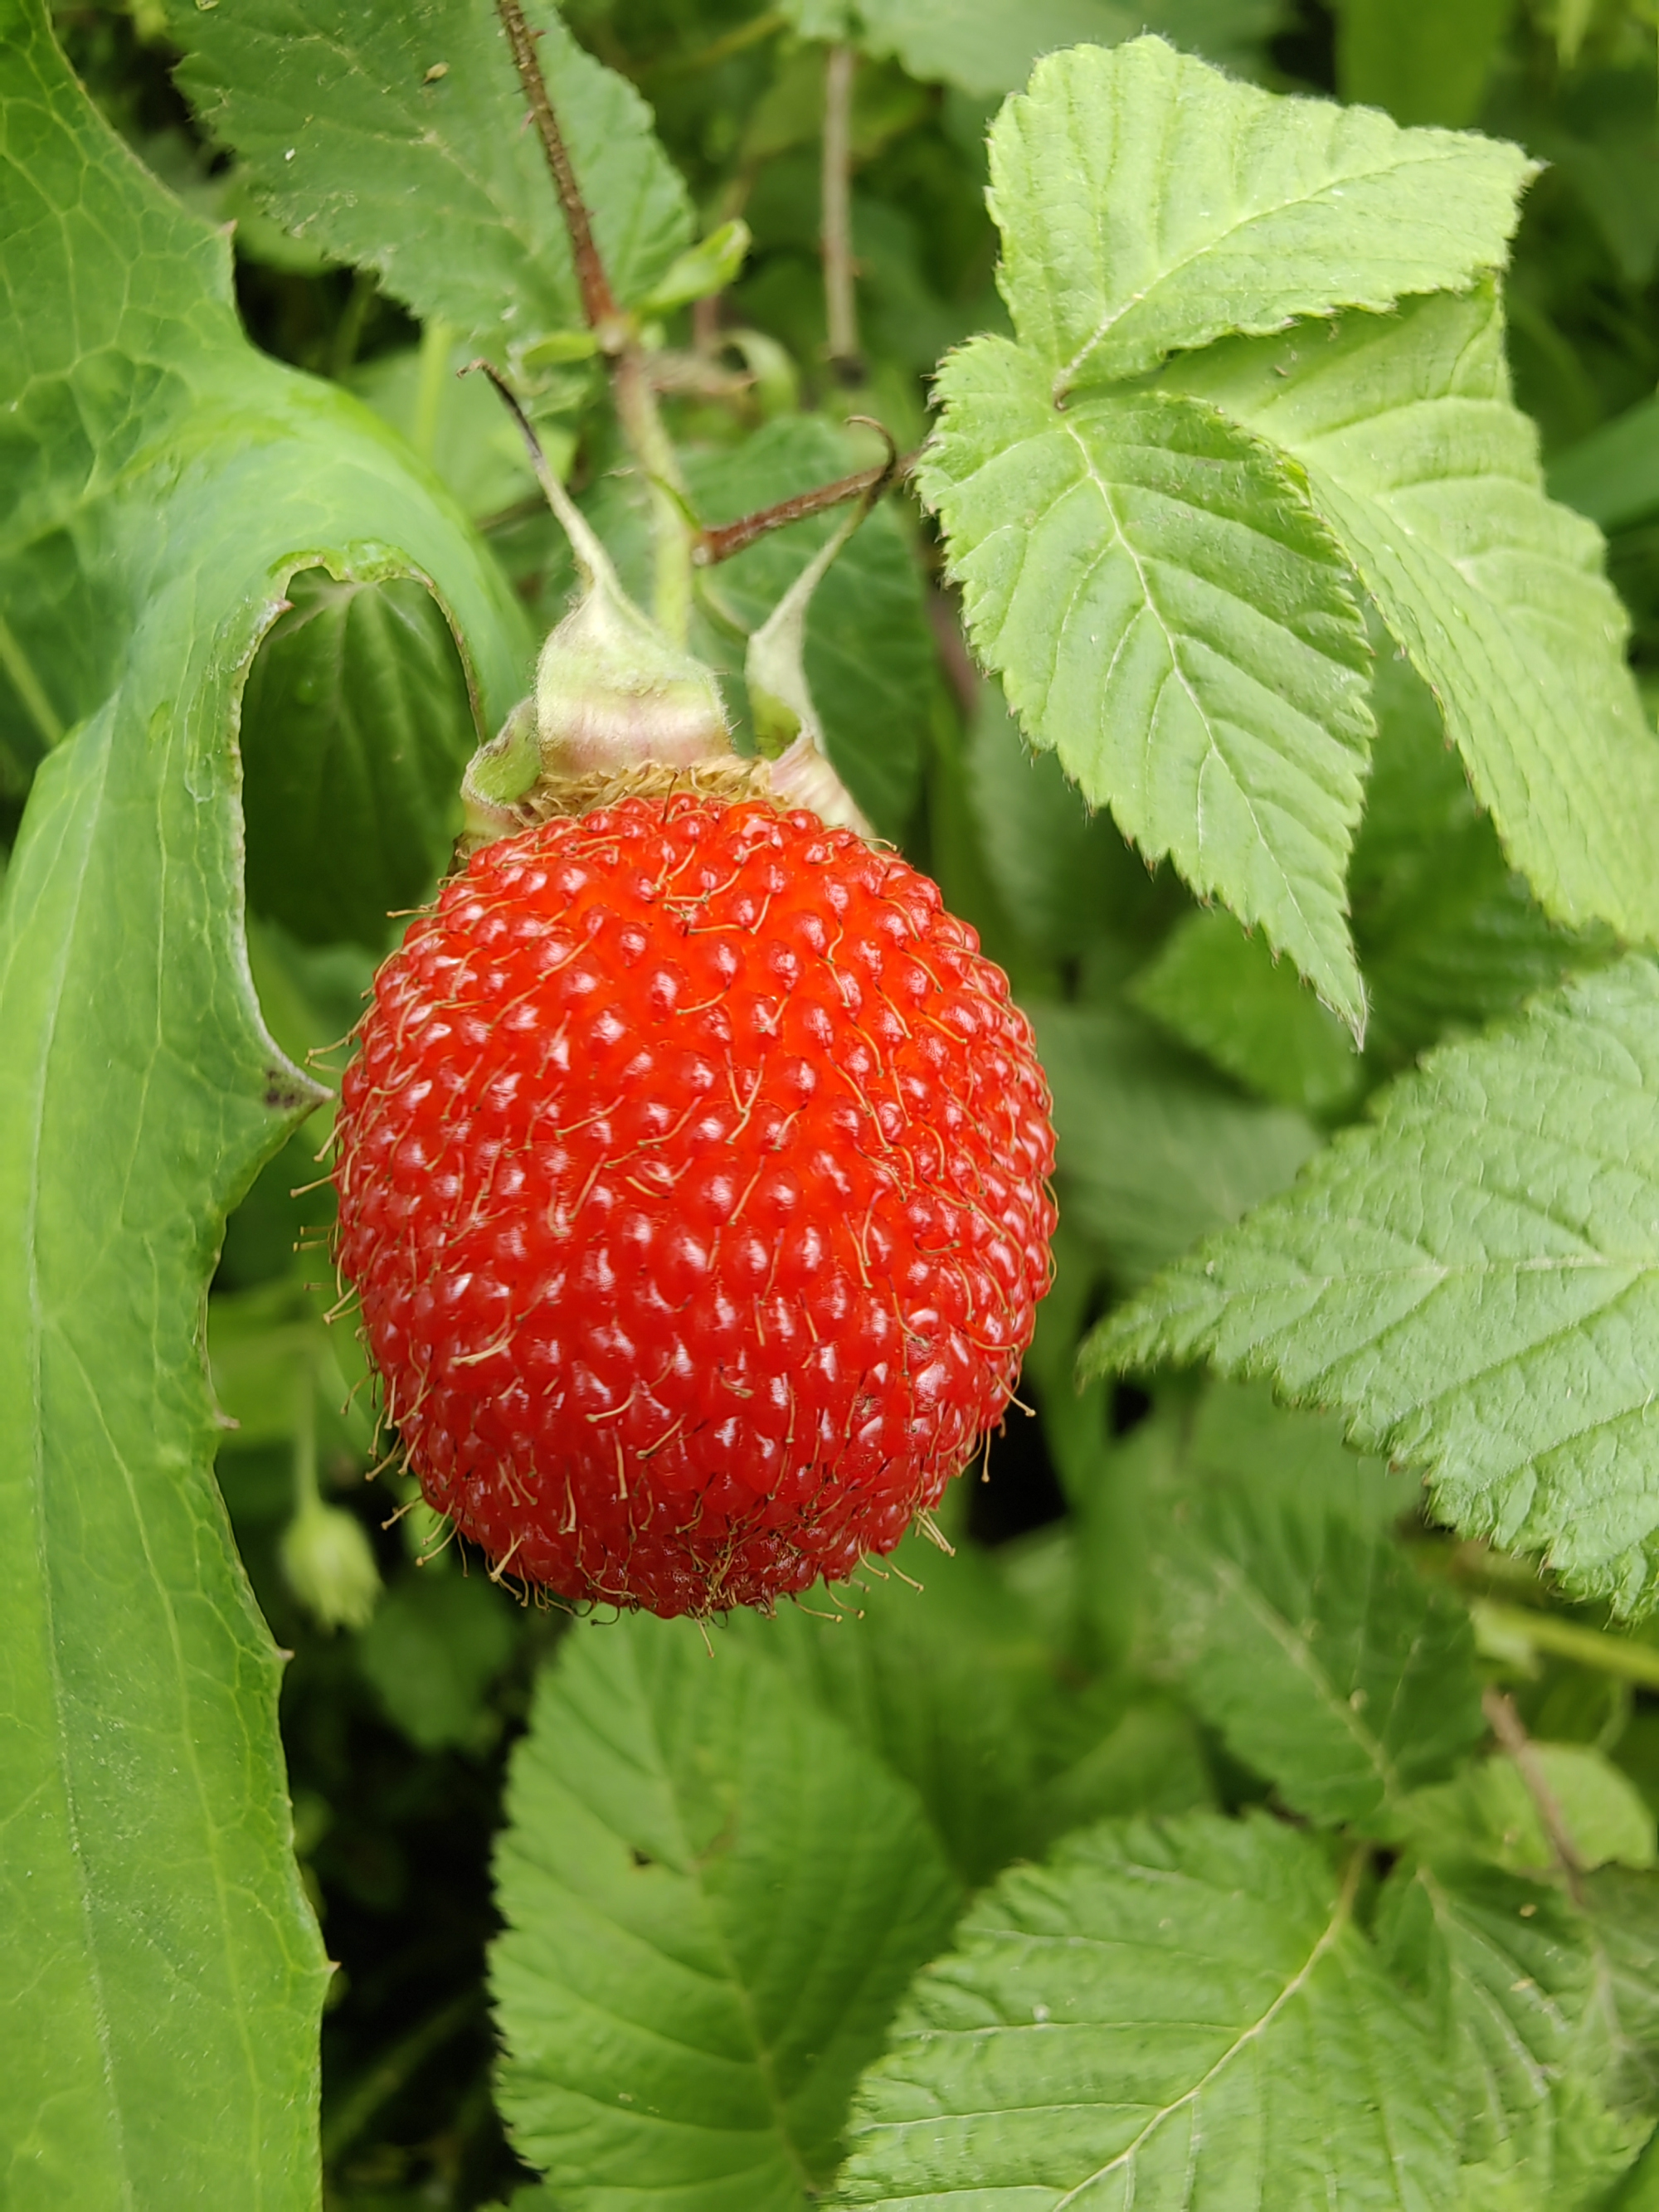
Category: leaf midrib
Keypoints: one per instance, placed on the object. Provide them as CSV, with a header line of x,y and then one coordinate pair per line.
x,y
692,1863
1341,1913
1065,375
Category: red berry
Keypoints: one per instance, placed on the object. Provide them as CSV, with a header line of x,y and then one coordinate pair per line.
x,y
693,1176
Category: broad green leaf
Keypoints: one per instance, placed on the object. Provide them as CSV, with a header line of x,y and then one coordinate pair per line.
x,y
1065,875
989,45
1448,934
1429,477
1224,995
436,1643
1598,131
1423,65
1149,204
1154,1151
1318,1650
1167,614
1237,1434
159,482
356,727
456,423
1490,1812
714,1898
1619,2044
351,118
1613,475
1507,1967
1473,1281
935,1665
1173,2014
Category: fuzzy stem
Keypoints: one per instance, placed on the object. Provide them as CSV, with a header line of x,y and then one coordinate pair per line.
x,y
1618,1655
592,559
599,300
1506,1725
840,298
719,545
307,1494
673,532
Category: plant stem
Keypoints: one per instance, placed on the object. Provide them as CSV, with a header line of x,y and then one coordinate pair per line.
x,y
840,298
1506,1725
437,339
719,545
599,300
1610,1655
673,532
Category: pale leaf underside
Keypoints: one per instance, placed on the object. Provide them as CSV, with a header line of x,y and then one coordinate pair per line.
x,y
1429,477
1148,204
1168,614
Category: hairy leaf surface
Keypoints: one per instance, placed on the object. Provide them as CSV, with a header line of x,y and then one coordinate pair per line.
x,y
1317,1648
1473,1281
159,482
1164,2014
1169,615
1148,204
714,1900
351,118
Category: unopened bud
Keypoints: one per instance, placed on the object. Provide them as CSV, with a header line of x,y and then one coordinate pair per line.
x,y
330,1565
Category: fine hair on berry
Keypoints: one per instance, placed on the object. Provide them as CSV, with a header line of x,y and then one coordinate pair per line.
x,y
693,1173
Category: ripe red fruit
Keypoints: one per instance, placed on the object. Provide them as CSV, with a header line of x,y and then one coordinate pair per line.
x,y
692,1173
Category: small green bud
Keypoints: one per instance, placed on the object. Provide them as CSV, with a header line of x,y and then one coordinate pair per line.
x,y
330,1565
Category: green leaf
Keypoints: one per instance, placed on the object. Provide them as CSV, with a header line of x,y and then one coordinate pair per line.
x,y
1148,204
1423,65
1154,1151
159,482
1474,1282
1619,2041
1065,875
355,727
1613,475
351,119
1182,2014
937,1681
1169,615
1449,935
714,1898
1224,995
435,1644
1490,1812
708,266
1317,1649
1507,1968
1429,477
990,45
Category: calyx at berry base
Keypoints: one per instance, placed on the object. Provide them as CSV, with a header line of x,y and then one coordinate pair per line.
x,y
693,1167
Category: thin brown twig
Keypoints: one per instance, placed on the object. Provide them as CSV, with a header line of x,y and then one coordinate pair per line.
x,y
1506,1725
840,294
599,300
719,545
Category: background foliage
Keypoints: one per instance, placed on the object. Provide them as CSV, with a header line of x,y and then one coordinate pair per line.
x,y
1230,1818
